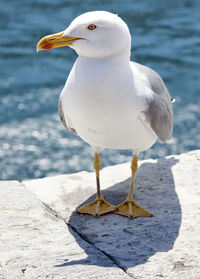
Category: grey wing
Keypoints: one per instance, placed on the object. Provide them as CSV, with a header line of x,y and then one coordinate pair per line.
x,y
159,108
65,120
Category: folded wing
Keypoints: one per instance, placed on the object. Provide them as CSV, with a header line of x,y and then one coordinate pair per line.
x,y
65,120
159,112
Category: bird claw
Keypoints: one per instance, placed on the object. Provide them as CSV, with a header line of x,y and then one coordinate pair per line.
x,y
132,210
98,207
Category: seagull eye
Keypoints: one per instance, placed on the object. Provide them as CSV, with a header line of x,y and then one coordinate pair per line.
x,y
91,27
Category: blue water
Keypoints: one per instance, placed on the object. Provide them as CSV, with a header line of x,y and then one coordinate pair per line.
x,y
33,142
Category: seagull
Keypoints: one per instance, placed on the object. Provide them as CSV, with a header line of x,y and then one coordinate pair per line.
x,y
110,101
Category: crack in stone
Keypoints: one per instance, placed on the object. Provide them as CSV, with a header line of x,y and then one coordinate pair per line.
x,y
52,211
103,252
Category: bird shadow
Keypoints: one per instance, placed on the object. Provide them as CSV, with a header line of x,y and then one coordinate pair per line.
x,y
131,242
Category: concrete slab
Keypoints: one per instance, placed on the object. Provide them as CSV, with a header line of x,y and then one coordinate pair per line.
x,y
43,236
164,246
35,244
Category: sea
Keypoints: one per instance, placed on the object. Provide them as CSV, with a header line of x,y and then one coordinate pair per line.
x,y
33,141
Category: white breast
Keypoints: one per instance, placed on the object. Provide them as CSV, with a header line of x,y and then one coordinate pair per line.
x,y
101,101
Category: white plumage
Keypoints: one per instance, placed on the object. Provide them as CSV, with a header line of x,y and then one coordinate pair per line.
x,y
106,97
109,101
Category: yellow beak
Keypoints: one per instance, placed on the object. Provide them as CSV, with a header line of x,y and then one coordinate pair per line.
x,y
55,40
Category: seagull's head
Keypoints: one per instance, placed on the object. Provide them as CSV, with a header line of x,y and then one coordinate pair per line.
x,y
95,34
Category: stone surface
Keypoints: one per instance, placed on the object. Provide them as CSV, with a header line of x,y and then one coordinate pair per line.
x,y
42,233
35,244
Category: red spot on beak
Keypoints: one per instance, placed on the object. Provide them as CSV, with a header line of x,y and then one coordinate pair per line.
x,y
47,46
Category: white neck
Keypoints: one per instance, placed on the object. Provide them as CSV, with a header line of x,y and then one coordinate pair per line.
x,y
122,57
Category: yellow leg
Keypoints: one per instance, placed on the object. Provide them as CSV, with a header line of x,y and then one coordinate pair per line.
x,y
129,208
99,206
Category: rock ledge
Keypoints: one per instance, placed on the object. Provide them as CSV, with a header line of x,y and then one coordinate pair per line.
x,y
42,236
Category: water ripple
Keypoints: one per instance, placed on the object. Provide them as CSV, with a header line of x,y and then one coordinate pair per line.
x,y
33,142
